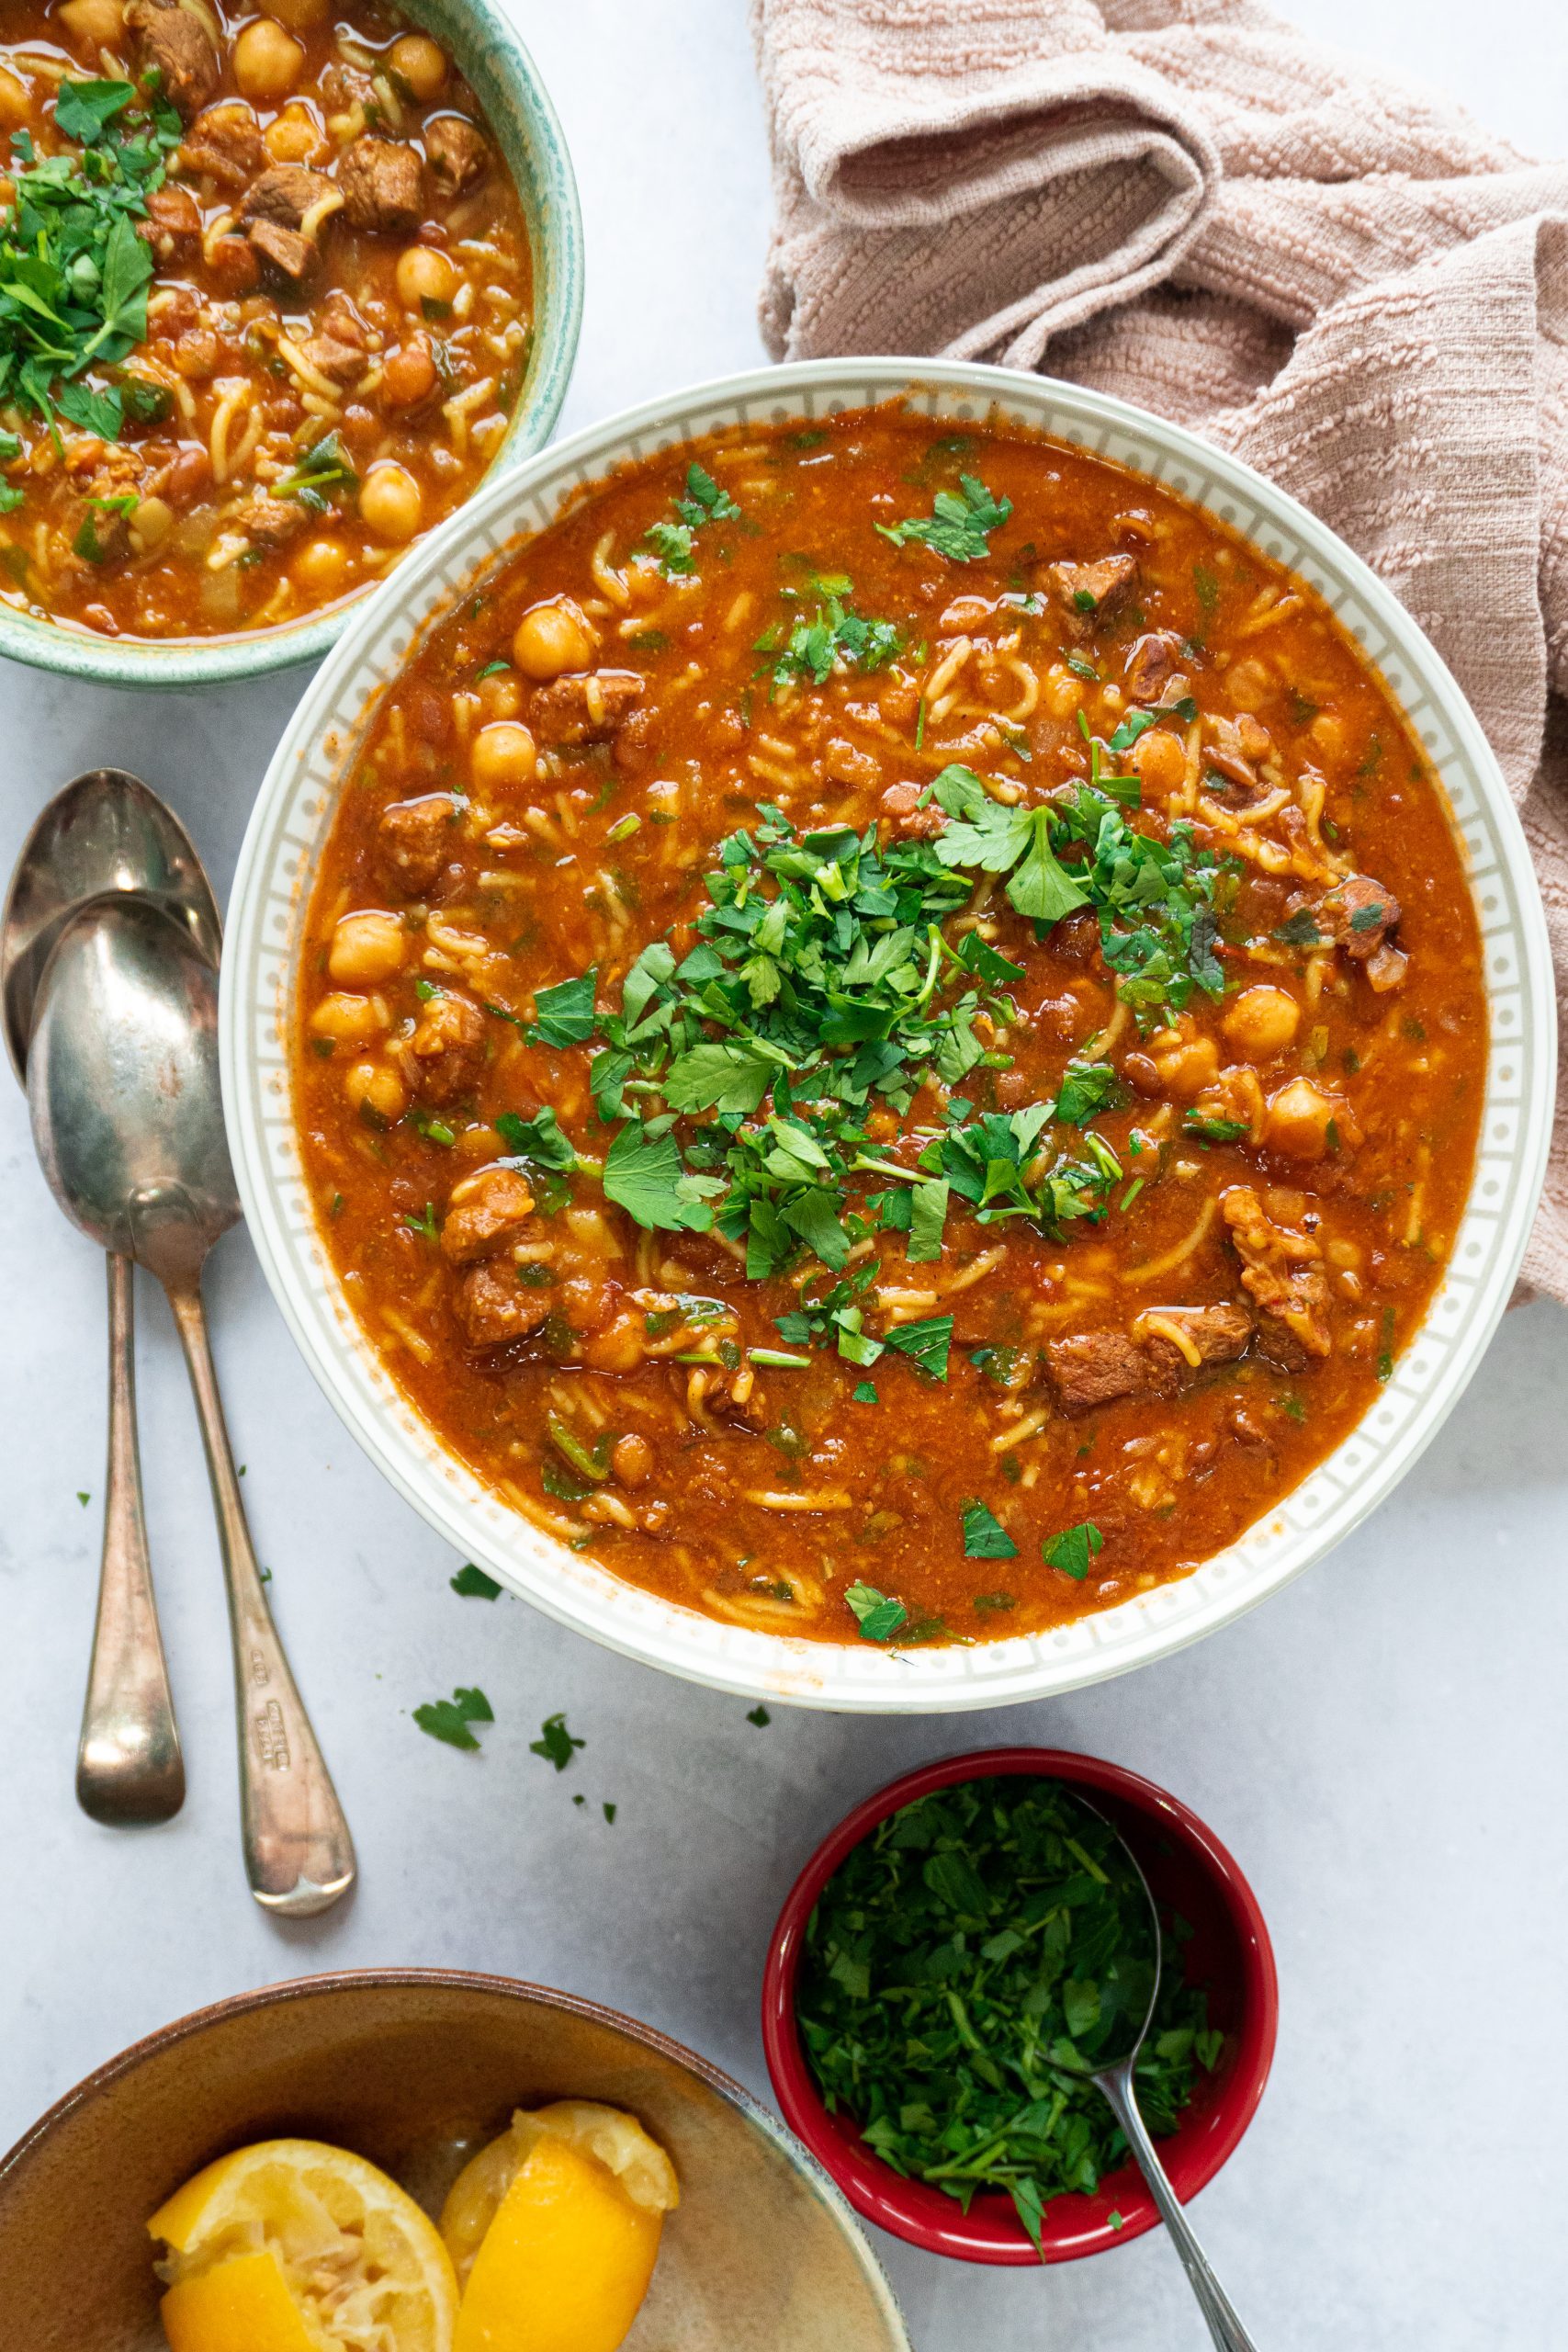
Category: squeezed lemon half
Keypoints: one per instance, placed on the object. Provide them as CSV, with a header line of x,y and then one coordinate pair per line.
x,y
294,2246
554,2231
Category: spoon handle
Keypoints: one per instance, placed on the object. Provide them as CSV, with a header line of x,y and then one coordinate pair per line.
x,y
1225,2328
298,1852
129,1770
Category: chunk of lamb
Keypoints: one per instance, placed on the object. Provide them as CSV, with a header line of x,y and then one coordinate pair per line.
x,y
285,194
458,154
492,1306
225,143
177,45
269,523
173,226
1217,1334
900,805
1095,1368
413,838
485,1213
383,187
442,1059
586,708
1358,915
1151,665
1091,593
292,256
1282,1269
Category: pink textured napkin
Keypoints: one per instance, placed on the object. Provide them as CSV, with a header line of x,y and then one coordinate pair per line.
x,y
1337,275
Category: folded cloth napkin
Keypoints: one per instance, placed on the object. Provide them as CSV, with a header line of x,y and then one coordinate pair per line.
x,y
1339,278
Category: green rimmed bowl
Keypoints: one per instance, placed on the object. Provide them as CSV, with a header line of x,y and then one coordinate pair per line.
x,y
491,58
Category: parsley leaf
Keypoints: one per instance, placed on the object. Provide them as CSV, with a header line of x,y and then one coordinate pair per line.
x,y
926,1343
555,1744
878,1617
1073,1550
960,524
563,1015
648,1181
985,1537
538,1139
449,1719
472,1584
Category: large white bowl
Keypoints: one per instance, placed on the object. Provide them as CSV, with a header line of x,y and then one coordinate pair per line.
x,y
271,893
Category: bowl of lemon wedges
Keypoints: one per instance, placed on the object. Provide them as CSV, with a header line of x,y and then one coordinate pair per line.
x,y
419,2161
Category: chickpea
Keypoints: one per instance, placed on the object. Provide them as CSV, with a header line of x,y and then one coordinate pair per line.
x,y
1159,760
295,137
620,1348
550,641
268,62
95,24
408,376
1298,1120
391,502
197,355
374,1088
150,524
419,65
300,16
631,1459
321,568
425,275
501,694
1186,1066
352,1019
366,949
502,757
15,104
1262,1022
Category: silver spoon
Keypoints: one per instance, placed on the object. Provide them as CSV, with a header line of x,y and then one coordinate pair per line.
x,y
122,1083
108,833
103,831
1113,2078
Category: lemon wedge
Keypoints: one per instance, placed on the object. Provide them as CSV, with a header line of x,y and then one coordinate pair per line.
x,y
554,2230
294,2246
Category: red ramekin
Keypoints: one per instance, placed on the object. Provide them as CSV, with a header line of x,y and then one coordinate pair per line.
x,y
1189,1872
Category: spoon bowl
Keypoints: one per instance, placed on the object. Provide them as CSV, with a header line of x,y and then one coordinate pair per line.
x,y
105,834
123,1086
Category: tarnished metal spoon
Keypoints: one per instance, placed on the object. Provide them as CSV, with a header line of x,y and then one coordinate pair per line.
x,y
104,831
122,1083
1113,2077
107,833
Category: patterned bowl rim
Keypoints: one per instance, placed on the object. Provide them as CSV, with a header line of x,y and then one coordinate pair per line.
x,y
270,893
503,75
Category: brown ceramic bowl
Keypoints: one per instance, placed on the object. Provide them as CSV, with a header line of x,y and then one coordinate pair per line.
x,y
402,2066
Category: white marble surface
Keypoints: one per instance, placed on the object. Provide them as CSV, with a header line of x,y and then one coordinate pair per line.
x,y
1382,1746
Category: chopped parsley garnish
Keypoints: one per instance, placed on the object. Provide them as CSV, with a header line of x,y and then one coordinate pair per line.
x,y
878,1617
325,472
1214,1130
960,524
538,1139
674,544
1073,1550
759,1716
965,1968
555,1743
450,1719
985,1537
472,1584
73,273
836,638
